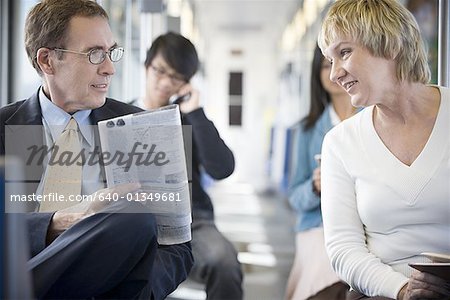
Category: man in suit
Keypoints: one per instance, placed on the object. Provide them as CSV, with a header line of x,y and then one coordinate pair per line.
x,y
92,251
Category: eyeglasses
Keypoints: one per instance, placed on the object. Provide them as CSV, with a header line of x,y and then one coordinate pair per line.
x,y
97,56
175,79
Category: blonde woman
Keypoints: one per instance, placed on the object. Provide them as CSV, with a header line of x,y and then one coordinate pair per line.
x,y
385,171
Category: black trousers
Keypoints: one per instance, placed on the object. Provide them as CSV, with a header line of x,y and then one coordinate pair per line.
x,y
106,256
216,263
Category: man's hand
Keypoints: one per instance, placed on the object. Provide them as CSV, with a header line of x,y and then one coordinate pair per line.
x,y
65,218
423,285
193,102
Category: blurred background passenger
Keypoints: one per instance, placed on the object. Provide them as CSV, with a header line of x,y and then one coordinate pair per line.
x,y
385,172
311,276
170,64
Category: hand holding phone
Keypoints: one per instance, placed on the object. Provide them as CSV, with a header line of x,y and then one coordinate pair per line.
x,y
177,99
318,159
187,98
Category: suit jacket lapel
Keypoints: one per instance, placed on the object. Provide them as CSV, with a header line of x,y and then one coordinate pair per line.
x,y
102,113
29,113
24,132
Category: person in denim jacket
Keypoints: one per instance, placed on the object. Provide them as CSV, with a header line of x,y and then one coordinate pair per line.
x,y
312,276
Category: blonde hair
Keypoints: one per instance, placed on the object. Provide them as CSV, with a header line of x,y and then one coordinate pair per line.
x,y
385,28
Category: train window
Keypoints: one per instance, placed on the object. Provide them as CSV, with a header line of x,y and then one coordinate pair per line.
x,y
235,96
124,19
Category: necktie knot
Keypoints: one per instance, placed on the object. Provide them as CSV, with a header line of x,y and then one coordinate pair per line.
x,y
72,125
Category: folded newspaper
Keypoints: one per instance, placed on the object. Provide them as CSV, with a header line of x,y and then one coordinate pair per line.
x,y
151,145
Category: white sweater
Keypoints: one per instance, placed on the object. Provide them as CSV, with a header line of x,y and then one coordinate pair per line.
x,y
379,213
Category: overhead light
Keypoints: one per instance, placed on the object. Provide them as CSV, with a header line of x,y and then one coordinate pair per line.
x,y
187,20
174,7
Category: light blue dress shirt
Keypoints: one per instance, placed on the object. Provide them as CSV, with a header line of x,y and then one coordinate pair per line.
x,y
54,120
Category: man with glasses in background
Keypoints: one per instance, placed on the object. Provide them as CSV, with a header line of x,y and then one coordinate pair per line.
x,y
86,250
170,64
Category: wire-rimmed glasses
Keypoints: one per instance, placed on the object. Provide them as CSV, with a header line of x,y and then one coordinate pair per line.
x,y
97,56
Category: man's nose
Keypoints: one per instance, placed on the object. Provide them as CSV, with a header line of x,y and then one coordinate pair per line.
x,y
107,67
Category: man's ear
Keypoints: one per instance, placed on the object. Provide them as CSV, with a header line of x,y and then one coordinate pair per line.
x,y
45,60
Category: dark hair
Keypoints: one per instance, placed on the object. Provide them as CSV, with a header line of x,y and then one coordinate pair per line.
x,y
177,51
320,98
48,21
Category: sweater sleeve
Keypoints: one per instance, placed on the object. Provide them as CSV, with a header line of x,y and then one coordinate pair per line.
x,y
301,195
214,155
344,232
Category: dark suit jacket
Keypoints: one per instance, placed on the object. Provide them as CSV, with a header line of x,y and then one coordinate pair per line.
x,y
172,263
210,153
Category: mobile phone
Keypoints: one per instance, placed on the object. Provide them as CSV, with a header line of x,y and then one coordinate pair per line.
x,y
437,257
318,159
176,99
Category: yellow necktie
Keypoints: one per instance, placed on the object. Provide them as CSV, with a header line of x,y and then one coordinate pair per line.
x,y
63,180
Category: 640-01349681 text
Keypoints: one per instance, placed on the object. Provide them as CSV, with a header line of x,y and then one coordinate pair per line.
x,y
153,197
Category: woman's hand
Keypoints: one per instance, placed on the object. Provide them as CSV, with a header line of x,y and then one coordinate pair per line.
x,y
423,285
316,181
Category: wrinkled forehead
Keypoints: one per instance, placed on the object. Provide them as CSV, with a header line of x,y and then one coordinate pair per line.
x,y
90,32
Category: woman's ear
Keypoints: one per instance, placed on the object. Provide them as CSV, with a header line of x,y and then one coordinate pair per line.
x,y
45,61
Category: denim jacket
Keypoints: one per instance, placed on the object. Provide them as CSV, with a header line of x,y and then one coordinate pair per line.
x,y
301,196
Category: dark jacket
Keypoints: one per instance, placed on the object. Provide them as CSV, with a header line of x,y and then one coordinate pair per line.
x,y
209,154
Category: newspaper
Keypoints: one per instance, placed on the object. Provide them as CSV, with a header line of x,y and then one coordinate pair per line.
x,y
149,149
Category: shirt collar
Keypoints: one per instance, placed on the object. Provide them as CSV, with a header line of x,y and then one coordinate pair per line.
x,y
139,103
57,119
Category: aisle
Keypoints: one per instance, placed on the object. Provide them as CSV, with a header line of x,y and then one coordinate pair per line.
x,y
260,226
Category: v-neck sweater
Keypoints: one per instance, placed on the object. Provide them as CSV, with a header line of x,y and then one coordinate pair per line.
x,y
378,213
